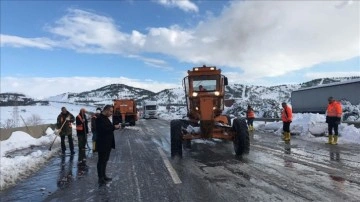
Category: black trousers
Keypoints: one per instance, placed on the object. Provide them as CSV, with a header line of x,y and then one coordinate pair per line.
x,y
103,158
81,141
71,143
286,127
250,121
333,125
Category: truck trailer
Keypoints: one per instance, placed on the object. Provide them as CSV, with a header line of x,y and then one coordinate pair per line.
x,y
314,99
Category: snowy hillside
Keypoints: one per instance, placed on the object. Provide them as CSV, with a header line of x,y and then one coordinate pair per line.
x,y
16,99
103,95
266,101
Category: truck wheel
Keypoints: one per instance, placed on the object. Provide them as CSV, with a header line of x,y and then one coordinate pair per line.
x,y
176,138
241,139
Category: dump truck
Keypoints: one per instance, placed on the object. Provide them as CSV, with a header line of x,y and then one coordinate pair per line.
x,y
125,112
204,92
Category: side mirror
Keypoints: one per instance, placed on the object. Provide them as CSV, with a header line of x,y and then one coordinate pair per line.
x,y
225,81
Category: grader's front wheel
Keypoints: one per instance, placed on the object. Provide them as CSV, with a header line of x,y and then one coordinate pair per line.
x,y
241,139
176,138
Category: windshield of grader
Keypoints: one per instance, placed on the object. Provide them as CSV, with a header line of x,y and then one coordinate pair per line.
x,y
205,83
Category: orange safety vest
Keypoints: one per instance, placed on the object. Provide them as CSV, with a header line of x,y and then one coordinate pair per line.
x,y
334,109
286,114
80,127
250,114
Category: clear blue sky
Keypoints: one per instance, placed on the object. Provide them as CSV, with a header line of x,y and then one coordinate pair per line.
x,y
50,47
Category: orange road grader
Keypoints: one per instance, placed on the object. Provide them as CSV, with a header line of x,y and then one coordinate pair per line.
x,y
125,112
204,91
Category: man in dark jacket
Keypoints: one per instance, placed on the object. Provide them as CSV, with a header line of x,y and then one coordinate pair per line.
x,y
66,130
82,129
105,141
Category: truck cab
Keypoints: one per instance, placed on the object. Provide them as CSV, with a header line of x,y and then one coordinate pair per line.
x,y
150,110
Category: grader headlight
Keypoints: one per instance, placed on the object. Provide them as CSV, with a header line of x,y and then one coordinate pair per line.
x,y
214,108
216,93
195,94
197,108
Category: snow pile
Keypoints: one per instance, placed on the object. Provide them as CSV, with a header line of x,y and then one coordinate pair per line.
x,y
311,125
15,167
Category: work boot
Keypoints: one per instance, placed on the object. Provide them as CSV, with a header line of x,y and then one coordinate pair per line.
x,y
335,139
102,181
330,139
287,136
94,146
283,136
107,178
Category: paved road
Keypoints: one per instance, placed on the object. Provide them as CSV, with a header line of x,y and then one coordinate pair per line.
x,y
142,171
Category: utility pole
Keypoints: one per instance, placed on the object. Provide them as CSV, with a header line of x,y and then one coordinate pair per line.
x,y
16,112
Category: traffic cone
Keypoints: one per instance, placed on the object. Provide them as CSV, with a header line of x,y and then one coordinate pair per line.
x,y
335,139
330,139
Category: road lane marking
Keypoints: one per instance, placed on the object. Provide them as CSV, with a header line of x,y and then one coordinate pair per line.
x,y
169,167
134,172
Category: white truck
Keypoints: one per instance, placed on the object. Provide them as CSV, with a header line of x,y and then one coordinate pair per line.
x,y
149,110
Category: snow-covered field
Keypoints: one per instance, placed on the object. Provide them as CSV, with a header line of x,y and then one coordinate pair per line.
x,y
13,168
46,114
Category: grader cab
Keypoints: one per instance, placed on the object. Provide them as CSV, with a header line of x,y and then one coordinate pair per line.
x,y
204,92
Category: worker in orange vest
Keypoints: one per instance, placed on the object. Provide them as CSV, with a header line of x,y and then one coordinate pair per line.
x,y
286,117
333,118
250,116
82,129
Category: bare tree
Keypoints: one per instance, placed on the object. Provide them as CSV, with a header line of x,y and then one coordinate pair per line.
x,y
34,120
9,123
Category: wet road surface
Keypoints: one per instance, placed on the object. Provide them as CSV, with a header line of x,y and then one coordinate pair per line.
x,y
142,171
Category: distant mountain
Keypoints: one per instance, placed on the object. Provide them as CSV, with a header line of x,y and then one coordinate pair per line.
x,y
18,99
103,95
